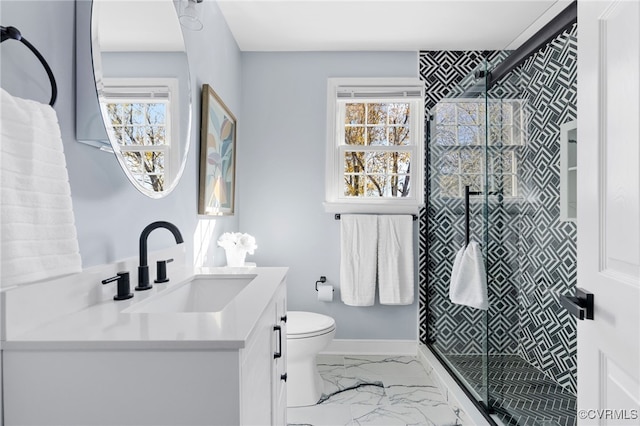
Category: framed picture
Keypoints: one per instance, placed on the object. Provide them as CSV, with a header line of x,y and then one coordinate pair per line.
x,y
217,156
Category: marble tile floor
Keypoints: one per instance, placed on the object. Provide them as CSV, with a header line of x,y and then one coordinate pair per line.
x,y
375,390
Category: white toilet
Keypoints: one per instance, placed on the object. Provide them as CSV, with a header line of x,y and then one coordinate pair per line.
x,y
307,334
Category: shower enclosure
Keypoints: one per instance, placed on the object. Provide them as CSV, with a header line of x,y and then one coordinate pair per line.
x,y
501,140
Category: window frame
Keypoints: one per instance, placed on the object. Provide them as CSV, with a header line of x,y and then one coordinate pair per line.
x,y
335,200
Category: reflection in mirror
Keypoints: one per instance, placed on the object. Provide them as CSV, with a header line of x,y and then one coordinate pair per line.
x,y
143,86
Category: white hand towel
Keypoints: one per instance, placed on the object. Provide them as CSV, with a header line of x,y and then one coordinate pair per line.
x,y
37,224
358,251
395,259
468,278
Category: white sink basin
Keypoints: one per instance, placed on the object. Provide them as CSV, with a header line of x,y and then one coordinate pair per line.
x,y
201,294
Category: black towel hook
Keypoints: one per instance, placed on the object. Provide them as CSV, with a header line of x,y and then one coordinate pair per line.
x,y
14,33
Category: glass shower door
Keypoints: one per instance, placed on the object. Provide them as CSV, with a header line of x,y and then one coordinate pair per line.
x,y
458,134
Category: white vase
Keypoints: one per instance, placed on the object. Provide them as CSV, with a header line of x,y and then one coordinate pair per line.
x,y
235,256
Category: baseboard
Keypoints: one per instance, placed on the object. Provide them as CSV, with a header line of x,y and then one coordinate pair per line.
x,y
372,347
455,396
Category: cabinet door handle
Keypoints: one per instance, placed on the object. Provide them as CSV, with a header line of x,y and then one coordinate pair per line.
x,y
283,319
278,353
283,377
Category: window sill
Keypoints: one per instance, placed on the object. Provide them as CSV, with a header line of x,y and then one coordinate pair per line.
x,y
372,208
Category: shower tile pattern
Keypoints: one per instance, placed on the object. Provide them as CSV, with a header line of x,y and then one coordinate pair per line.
x,y
547,250
532,254
522,394
375,390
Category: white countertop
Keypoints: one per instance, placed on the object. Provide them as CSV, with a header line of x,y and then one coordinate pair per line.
x,y
104,325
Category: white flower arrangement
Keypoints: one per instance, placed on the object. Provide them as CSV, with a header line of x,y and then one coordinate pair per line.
x,y
237,240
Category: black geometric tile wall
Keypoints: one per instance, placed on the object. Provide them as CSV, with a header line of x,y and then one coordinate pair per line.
x,y
531,256
547,245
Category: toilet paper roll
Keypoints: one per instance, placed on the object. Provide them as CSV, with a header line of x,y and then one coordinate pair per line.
x,y
325,292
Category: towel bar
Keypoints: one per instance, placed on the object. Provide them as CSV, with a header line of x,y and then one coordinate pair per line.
x,y
337,216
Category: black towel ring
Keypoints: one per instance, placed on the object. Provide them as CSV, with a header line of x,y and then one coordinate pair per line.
x,y
13,33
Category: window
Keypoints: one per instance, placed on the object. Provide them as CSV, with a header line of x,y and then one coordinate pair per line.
x,y
458,149
140,118
375,145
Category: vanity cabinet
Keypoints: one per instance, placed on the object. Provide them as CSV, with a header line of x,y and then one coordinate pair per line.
x,y
263,368
179,382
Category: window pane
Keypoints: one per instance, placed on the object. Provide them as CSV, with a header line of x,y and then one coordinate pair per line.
x,y
445,135
507,139
157,113
449,186
376,113
399,114
495,113
157,135
139,115
445,113
501,163
495,135
467,135
449,163
507,113
377,186
354,114
518,136
378,162
354,162
134,161
354,185
508,188
377,136
474,182
354,135
468,113
471,161
399,136
139,136
405,185
158,162
403,160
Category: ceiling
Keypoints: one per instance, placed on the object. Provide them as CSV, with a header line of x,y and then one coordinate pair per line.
x,y
385,25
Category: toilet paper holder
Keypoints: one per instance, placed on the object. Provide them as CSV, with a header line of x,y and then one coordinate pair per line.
x,y
322,279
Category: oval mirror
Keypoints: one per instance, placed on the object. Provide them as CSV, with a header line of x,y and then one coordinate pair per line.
x,y
144,90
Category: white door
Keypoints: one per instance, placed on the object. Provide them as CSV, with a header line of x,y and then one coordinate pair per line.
x,y
609,210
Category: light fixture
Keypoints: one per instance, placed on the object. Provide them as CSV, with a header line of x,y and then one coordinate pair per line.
x,y
191,14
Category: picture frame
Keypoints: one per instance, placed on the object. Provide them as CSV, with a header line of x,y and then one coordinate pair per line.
x,y
217,156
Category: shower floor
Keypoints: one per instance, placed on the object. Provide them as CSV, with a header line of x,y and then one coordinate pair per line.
x,y
522,395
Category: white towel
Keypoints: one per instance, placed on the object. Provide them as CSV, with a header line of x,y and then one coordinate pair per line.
x,y
395,259
468,278
358,247
39,238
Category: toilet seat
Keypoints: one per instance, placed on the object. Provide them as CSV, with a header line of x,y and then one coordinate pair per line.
x,y
302,325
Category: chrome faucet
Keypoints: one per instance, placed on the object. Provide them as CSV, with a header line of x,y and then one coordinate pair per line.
x,y
143,269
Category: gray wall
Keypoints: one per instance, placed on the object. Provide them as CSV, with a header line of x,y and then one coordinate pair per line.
x,y
110,213
281,166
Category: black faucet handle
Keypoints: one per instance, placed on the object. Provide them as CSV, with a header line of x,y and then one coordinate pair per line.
x,y
123,285
161,271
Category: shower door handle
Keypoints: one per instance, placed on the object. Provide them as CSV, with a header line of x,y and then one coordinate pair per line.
x,y
580,305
